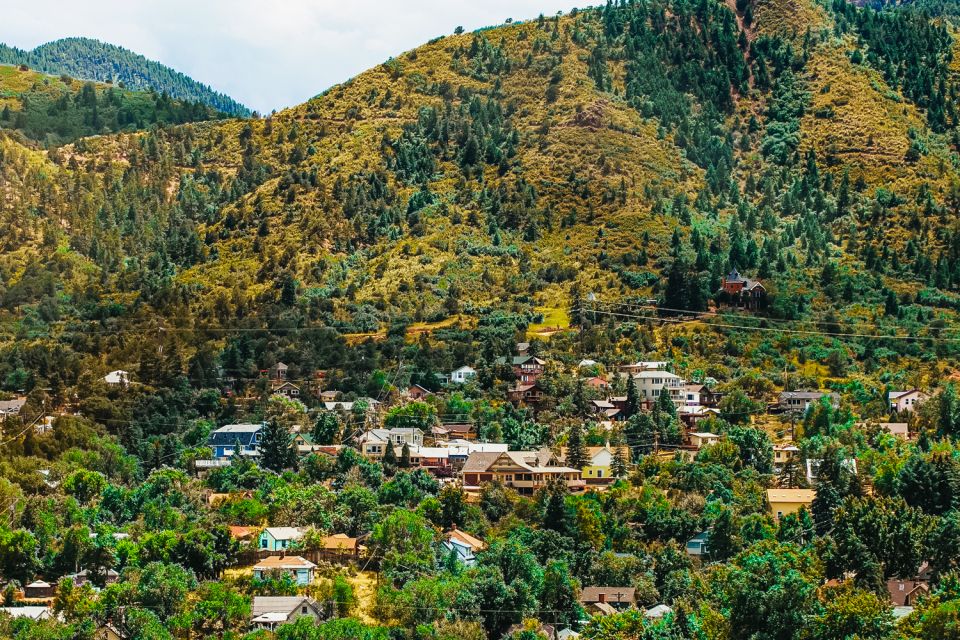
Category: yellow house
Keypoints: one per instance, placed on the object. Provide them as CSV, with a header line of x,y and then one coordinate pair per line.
x,y
599,467
786,501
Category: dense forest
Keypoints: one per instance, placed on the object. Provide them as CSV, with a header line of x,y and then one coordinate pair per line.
x,y
90,59
583,183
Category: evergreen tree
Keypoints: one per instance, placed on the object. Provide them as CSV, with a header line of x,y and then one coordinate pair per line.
x,y
276,447
618,463
576,447
405,456
389,459
633,398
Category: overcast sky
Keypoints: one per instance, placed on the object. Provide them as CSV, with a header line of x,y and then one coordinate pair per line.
x,y
268,54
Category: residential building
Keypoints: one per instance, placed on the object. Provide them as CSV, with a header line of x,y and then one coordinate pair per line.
x,y
526,368
657,612
697,545
644,365
783,453
786,501
300,569
905,593
700,439
596,382
464,545
269,612
279,538
801,400
417,392
12,407
454,431
462,375
374,442
743,292
117,378
813,467
286,388
32,612
651,384
108,632
899,429
614,599
599,467
906,401
226,439
278,371
531,394
39,589
340,546
459,450
525,471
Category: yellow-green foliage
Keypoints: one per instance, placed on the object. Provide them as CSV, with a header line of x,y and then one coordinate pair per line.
x,y
789,18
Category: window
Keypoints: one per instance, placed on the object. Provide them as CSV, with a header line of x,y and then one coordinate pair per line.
x,y
779,514
303,609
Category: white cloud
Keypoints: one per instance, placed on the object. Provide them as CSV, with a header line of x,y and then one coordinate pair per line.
x,y
265,54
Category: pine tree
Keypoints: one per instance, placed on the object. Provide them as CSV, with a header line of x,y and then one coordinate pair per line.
x,y
405,456
618,464
276,447
390,460
633,398
576,448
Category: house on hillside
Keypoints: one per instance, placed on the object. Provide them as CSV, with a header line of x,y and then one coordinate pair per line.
x,y
117,378
226,439
300,569
462,375
269,612
801,400
39,589
278,371
279,538
607,600
783,453
906,401
743,292
652,384
525,471
906,592
697,545
644,365
12,407
463,545
285,388
700,439
526,368
786,501
599,467
417,392
530,394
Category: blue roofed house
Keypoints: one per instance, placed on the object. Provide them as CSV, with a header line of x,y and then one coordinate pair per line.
x,y
279,538
224,440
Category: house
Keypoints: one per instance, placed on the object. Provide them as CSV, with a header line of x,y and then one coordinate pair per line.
x,y
690,416
463,545
801,400
905,593
599,467
279,538
454,431
539,629
523,348
526,394
11,407
226,439
416,392
525,471
906,401
118,377
285,388
743,292
899,429
108,632
700,439
435,459
697,545
567,634
269,612
330,395
242,534
374,442
596,382
586,363
85,576
459,450
637,367
340,545
657,612
786,501
300,569
278,371
39,589
526,368
462,375
783,453
614,598
651,384
33,613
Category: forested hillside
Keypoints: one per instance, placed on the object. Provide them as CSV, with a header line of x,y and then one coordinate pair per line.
x,y
90,59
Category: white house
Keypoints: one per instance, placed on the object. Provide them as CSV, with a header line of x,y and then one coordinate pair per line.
x,y
269,612
462,375
117,377
906,401
651,384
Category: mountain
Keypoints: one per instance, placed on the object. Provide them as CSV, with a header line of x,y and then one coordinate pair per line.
x,y
52,111
90,59
636,152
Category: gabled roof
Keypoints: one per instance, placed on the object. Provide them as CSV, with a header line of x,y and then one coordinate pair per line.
x,y
464,538
278,604
624,595
339,541
232,433
288,562
480,461
285,533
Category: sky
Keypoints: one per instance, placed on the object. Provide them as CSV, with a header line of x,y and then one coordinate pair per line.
x,y
268,54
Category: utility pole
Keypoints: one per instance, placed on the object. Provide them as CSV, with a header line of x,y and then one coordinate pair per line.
x,y
656,442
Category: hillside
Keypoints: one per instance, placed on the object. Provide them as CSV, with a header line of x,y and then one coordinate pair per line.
x,y
635,152
53,111
90,59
